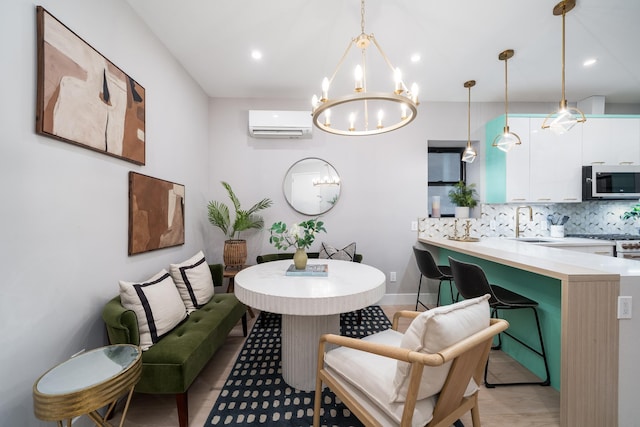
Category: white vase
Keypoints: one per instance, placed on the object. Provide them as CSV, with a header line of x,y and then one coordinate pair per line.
x,y
462,212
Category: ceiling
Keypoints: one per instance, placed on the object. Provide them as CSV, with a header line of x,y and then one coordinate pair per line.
x,y
302,41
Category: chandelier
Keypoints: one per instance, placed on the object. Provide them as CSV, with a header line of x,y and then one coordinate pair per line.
x,y
565,118
328,179
363,112
506,140
469,154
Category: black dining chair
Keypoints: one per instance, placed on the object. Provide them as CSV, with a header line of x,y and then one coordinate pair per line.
x,y
429,269
471,282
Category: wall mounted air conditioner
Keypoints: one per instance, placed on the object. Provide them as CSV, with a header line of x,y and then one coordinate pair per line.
x,y
279,124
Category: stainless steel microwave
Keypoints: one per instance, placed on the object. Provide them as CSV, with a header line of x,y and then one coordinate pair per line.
x,y
615,182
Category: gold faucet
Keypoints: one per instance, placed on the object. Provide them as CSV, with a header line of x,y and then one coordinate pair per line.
x,y
518,218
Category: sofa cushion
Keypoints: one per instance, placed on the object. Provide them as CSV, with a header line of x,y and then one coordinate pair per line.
x,y
194,281
171,365
347,253
157,305
433,331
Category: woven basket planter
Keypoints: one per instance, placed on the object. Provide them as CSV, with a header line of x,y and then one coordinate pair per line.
x,y
235,253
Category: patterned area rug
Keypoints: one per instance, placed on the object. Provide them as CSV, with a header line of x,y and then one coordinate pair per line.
x,y
255,392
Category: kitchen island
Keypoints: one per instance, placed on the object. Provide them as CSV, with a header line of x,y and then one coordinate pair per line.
x,y
593,355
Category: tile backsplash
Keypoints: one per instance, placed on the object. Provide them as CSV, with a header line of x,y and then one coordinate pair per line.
x,y
594,217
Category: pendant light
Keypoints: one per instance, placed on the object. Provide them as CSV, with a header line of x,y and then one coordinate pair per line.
x,y
469,154
565,118
506,140
362,111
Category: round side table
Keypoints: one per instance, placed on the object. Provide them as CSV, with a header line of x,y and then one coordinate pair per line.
x,y
88,382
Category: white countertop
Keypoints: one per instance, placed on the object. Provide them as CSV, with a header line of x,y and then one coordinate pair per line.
x,y
550,261
564,241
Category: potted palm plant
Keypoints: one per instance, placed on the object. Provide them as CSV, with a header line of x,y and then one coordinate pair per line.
x,y
463,196
235,249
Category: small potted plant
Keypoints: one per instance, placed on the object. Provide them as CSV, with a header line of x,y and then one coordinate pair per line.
x,y
634,213
235,249
463,196
300,235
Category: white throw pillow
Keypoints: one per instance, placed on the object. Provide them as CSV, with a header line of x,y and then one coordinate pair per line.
x,y
347,253
433,331
194,281
157,305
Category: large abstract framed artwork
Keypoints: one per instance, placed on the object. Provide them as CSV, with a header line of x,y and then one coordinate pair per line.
x,y
83,98
156,213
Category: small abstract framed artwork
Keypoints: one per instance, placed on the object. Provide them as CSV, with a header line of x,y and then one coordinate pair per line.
x,y
83,98
156,213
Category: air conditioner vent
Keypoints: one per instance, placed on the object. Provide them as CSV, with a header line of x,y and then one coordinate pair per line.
x,y
280,124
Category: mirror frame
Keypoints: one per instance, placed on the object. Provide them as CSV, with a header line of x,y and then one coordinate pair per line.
x,y
298,207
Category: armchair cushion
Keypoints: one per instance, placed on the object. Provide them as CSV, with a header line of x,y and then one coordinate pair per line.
x,y
433,331
156,304
194,281
347,253
369,376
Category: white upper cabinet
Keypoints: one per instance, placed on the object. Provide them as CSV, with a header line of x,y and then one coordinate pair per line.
x,y
555,163
547,168
611,141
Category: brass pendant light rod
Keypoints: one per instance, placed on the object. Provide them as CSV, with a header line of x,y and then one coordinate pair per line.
x,y
565,118
469,154
505,56
469,84
506,140
561,9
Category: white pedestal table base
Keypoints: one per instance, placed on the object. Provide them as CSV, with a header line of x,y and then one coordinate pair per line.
x,y
299,337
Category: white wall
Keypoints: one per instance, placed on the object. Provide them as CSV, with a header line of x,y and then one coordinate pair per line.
x,y
64,214
384,177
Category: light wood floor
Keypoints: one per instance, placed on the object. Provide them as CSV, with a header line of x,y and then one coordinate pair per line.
x,y
502,406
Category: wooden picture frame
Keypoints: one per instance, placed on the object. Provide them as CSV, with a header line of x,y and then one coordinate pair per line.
x,y
83,98
156,213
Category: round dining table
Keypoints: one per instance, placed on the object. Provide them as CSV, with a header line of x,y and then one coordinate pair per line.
x,y
310,306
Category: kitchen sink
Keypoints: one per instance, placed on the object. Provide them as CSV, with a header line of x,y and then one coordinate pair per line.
x,y
531,239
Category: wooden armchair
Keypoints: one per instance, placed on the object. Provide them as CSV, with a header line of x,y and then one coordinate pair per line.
x,y
427,376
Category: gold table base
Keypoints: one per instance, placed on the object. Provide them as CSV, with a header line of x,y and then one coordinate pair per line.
x,y
86,401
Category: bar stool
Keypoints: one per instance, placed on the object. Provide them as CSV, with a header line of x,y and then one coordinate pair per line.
x,y
472,282
429,269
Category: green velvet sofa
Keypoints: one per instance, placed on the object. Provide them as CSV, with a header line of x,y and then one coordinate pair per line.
x,y
171,365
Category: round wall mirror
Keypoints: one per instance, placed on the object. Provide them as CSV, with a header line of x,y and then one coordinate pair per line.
x,y
312,186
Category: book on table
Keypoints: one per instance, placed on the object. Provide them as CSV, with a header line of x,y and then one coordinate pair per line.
x,y
319,270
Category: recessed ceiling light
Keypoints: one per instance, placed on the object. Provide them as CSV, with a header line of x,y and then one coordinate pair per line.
x,y
415,57
256,54
589,62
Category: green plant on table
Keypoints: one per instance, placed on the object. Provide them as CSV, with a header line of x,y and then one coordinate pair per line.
x,y
219,215
300,235
463,195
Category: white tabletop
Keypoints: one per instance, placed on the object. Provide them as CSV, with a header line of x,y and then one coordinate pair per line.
x,y
349,286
